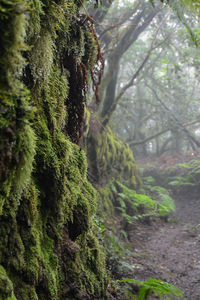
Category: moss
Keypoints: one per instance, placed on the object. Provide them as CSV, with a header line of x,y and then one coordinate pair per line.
x,y
56,92
6,286
90,50
45,195
12,42
87,116
110,160
113,158
41,58
106,200
15,106
22,156
92,260
29,294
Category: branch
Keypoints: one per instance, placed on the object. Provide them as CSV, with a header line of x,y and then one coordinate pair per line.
x,y
132,143
134,31
124,18
135,75
176,120
152,47
149,138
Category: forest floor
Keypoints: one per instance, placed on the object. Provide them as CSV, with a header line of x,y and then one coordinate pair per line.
x,y
169,251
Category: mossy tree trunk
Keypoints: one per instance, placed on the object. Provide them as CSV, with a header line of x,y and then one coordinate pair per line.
x,y
48,249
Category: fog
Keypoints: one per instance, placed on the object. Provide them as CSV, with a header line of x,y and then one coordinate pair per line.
x,y
150,98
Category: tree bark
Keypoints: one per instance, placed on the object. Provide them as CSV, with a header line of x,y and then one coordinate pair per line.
x,y
128,38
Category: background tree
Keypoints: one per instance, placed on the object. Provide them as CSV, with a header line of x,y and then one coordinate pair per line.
x,y
163,100
132,20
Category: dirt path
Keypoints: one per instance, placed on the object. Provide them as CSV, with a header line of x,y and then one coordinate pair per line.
x,y
171,252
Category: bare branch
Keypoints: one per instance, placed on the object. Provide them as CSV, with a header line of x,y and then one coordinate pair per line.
x,y
132,143
149,138
174,117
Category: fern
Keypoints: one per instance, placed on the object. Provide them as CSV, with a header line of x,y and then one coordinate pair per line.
x,y
145,200
137,199
113,188
166,202
167,205
142,216
121,199
188,175
185,165
159,190
181,181
149,180
158,287
162,207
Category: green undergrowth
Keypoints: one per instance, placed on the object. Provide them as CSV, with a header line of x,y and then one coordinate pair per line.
x,y
48,248
181,177
188,175
134,206
159,288
165,201
121,211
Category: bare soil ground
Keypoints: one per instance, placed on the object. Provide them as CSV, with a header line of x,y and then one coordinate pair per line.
x,y
171,251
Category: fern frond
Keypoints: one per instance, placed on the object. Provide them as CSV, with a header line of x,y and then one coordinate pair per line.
x,y
158,287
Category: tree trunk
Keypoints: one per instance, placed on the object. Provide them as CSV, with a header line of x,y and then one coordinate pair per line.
x,y
48,249
139,23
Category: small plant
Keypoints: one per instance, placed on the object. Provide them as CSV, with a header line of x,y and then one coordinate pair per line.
x,y
136,199
185,165
158,287
188,175
130,204
165,202
136,207
98,225
181,181
149,180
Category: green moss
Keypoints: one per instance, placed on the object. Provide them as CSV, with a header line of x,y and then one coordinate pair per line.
x,y
56,92
15,107
41,59
87,116
6,286
22,154
34,24
107,199
90,50
12,42
92,260
113,158
46,201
